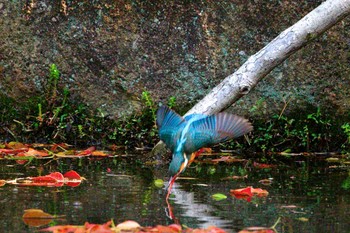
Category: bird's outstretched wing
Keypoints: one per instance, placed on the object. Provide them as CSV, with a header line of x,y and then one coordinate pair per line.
x,y
168,123
215,129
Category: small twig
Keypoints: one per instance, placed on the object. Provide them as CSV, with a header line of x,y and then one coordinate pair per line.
x,y
274,225
284,107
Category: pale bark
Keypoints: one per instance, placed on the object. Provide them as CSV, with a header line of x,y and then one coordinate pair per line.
x,y
260,64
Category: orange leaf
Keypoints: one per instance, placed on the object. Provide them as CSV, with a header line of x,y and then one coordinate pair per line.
x,y
2,182
98,228
87,152
32,152
98,153
65,229
36,217
260,192
15,145
168,229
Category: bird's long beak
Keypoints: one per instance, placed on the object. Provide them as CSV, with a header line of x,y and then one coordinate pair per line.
x,y
171,183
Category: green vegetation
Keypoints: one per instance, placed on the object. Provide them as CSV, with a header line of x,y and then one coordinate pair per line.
x,y
54,117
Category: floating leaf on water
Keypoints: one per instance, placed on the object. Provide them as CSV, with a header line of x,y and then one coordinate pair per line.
x,y
202,185
36,217
257,230
72,175
303,219
266,181
332,160
159,183
235,177
263,165
289,206
219,196
248,192
227,159
2,182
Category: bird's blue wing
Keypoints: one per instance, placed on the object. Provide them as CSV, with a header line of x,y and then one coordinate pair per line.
x,y
215,129
194,117
169,123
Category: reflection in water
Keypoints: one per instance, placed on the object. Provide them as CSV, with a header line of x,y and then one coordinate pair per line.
x,y
309,198
191,208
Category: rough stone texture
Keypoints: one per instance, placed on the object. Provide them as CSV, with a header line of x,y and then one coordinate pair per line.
x,y
110,51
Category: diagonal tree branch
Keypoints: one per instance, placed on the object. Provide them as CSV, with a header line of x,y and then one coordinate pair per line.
x,y
260,64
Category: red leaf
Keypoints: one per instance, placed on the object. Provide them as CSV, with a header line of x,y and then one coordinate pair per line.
x,y
21,162
53,179
13,151
247,193
242,192
87,152
98,228
72,175
64,229
263,165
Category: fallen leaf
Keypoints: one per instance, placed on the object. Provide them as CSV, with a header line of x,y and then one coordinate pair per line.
x,y
87,152
266,181
226,159
15,145
219,196
248,192
235,177
72,175
36,217
36,153
99,153
263,165
2,182
65,229
127,226
257,230
159,183
303,219
13,151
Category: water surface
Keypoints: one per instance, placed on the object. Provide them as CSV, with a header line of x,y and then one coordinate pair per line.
x,y
308,196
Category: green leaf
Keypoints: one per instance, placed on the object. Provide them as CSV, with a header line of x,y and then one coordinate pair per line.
x,y
219,196
159,183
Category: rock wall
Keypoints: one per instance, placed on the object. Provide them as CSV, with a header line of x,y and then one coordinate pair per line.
x,y
110,51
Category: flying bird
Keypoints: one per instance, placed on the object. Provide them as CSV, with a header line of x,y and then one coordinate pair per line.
x,y
186,135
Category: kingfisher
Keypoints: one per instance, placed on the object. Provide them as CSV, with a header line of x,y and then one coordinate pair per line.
x,y
185,136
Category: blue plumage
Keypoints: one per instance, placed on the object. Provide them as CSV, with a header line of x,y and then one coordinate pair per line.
x,y
183,136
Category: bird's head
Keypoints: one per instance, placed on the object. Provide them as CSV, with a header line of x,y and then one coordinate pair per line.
x,y
178,163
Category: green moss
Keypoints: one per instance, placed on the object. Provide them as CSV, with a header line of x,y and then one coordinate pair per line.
x,y
54,117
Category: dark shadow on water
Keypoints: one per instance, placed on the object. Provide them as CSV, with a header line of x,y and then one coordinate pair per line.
x,y
309,196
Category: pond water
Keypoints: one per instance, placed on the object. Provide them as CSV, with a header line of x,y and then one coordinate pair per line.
x,y
307,195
